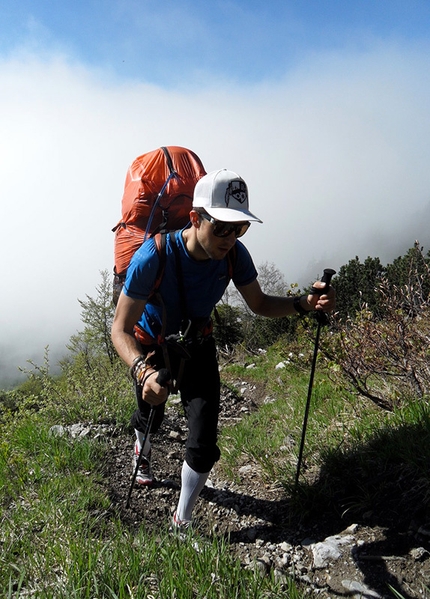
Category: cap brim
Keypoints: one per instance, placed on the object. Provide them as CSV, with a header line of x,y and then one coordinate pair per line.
x,y
229,215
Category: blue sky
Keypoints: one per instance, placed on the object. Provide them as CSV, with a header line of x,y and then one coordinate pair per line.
x,y
321,106
171,43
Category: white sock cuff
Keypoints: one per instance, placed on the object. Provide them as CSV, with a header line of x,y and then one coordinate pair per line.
x,y
192,483
139,437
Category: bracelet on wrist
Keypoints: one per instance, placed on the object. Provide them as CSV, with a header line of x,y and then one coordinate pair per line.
x,y
297,304
138,368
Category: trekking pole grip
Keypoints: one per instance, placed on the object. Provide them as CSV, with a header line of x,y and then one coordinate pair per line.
x,y
326,278
322,317
163,377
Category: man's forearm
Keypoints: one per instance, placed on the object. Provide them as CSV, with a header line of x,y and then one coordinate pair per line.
x,y
128,312
277,307
126,345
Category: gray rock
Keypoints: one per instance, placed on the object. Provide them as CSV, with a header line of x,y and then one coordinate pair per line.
x,y
57,430
359,590
330,549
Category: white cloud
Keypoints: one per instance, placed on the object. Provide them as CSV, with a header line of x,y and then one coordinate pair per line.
x,y
336,158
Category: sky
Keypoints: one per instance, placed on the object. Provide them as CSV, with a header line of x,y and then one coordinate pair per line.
x,y
322,106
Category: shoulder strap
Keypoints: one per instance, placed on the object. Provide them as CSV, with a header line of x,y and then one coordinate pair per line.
x,y
160,244
231,259
180,277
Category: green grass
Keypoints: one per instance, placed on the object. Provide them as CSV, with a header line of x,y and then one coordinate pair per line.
x,y
354,452
277,425
60,537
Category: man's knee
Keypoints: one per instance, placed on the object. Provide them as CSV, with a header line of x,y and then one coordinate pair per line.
x,y
139,420
202,459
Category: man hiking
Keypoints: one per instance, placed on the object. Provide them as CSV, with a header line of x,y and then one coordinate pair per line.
x,y
175,332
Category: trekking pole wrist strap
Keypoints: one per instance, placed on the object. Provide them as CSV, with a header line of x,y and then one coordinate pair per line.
x,y
297,304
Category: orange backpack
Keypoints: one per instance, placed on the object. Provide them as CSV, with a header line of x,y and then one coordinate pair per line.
x,y
158,195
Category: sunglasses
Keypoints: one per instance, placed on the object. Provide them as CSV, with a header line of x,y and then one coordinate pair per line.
x,y
223,229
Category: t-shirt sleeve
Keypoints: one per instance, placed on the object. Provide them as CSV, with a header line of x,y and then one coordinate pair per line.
x,y
244,271
142,271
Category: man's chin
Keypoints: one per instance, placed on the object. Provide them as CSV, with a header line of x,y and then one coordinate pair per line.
x,y
221,254
217,253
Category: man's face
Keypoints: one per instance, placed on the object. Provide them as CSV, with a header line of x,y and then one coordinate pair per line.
x,y
216,248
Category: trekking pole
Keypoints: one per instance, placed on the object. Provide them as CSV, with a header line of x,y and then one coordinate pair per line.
x,y
163,377
322,319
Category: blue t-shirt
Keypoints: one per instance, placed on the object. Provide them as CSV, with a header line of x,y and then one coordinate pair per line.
x,y
204,282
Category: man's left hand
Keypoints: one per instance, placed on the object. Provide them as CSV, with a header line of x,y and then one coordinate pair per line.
x,y
326,302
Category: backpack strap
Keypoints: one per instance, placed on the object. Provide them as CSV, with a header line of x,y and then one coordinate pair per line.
x,y
231,261
185,324
160,244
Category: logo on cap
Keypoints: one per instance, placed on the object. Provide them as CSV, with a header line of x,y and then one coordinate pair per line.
x,y
236,190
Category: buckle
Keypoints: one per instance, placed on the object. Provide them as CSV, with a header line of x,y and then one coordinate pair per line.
x,y
184,335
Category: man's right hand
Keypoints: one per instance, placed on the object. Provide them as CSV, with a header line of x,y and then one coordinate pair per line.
x,y
152,392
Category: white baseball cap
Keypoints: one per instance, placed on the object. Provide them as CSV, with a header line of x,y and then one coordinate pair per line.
x,y
224,196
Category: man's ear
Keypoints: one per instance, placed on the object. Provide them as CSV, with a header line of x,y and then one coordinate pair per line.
x,y
195,218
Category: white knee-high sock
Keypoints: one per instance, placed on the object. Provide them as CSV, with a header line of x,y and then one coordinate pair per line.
x,y
192,483
139,437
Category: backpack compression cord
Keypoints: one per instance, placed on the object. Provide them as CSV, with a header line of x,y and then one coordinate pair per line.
x,y
172,174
